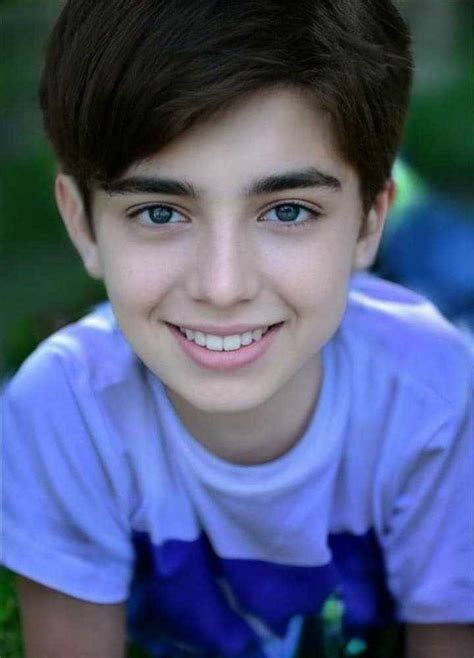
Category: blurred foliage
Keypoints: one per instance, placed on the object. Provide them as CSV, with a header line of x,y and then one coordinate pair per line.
x,y
42,283
439,137
10,638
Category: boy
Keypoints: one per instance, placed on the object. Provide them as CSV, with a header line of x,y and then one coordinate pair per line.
x,y
238,436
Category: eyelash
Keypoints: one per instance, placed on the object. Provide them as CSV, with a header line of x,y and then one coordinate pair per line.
x,y
313,214
139,211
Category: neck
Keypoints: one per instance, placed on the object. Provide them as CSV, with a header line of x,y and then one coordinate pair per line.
x,y
261,434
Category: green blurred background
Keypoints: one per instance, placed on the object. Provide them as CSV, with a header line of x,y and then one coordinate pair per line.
x,y
42,284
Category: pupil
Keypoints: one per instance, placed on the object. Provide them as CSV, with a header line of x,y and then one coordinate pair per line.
x,y
287,213
160,214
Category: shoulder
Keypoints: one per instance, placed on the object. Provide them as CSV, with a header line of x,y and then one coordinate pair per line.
x,y
67,474
88,354
82,390
403,337
64,410
408,377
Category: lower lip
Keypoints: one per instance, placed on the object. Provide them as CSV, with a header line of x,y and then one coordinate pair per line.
x,y
225,360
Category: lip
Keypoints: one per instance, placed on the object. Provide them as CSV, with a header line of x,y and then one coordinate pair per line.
x,y
221,361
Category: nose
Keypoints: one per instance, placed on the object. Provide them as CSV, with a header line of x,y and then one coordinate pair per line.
x,y
225,272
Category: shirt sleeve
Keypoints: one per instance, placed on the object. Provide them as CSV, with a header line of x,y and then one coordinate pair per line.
x,y
429,544
61,524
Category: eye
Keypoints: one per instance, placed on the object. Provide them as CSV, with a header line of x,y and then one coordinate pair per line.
x,y
291,214
157,215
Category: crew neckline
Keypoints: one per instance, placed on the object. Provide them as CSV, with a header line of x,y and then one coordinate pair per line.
x,y
228,475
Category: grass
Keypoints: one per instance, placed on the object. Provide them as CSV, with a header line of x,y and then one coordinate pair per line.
x,y
10,637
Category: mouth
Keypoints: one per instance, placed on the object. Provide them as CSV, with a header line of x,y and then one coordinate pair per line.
x,y
215,352
226,343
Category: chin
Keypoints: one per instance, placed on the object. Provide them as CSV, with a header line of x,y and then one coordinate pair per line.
x,y
225,402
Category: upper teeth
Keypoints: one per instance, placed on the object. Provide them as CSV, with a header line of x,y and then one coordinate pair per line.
x,y
223,343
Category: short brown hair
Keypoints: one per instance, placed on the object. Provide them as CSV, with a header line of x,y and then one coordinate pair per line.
x,y
124,77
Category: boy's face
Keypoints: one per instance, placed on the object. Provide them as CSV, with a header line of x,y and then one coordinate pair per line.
x,y
250,219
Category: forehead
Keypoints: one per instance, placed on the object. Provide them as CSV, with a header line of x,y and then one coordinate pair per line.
x,y
268,131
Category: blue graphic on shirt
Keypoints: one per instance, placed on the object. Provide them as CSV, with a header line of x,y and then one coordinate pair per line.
x,y
179,606
362,581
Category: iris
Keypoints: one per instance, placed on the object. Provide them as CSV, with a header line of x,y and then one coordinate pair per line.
x,y
160,214
287,213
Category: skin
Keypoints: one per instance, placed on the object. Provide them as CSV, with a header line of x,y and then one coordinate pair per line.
x,y
440,641
226,259
56,625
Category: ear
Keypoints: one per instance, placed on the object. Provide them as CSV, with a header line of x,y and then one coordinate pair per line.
x,y
372,227
71,207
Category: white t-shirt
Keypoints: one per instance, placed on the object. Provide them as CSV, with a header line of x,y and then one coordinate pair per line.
x,y
108,498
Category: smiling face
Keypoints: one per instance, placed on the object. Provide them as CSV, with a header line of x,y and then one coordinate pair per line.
x,y
247,221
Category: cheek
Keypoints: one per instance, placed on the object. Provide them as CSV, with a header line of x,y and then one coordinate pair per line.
x,y
313,276
139,278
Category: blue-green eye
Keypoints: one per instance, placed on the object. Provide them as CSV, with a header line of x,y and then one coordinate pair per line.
x,y
290,213
158,215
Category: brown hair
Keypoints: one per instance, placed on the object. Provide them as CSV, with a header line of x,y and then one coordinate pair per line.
x,y
124,77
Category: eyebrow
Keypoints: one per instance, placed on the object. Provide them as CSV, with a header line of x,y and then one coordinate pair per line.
x,y
304,178
150,185
310,177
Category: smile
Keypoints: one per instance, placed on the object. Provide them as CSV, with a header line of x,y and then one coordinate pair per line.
x,y
224,343
214,352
